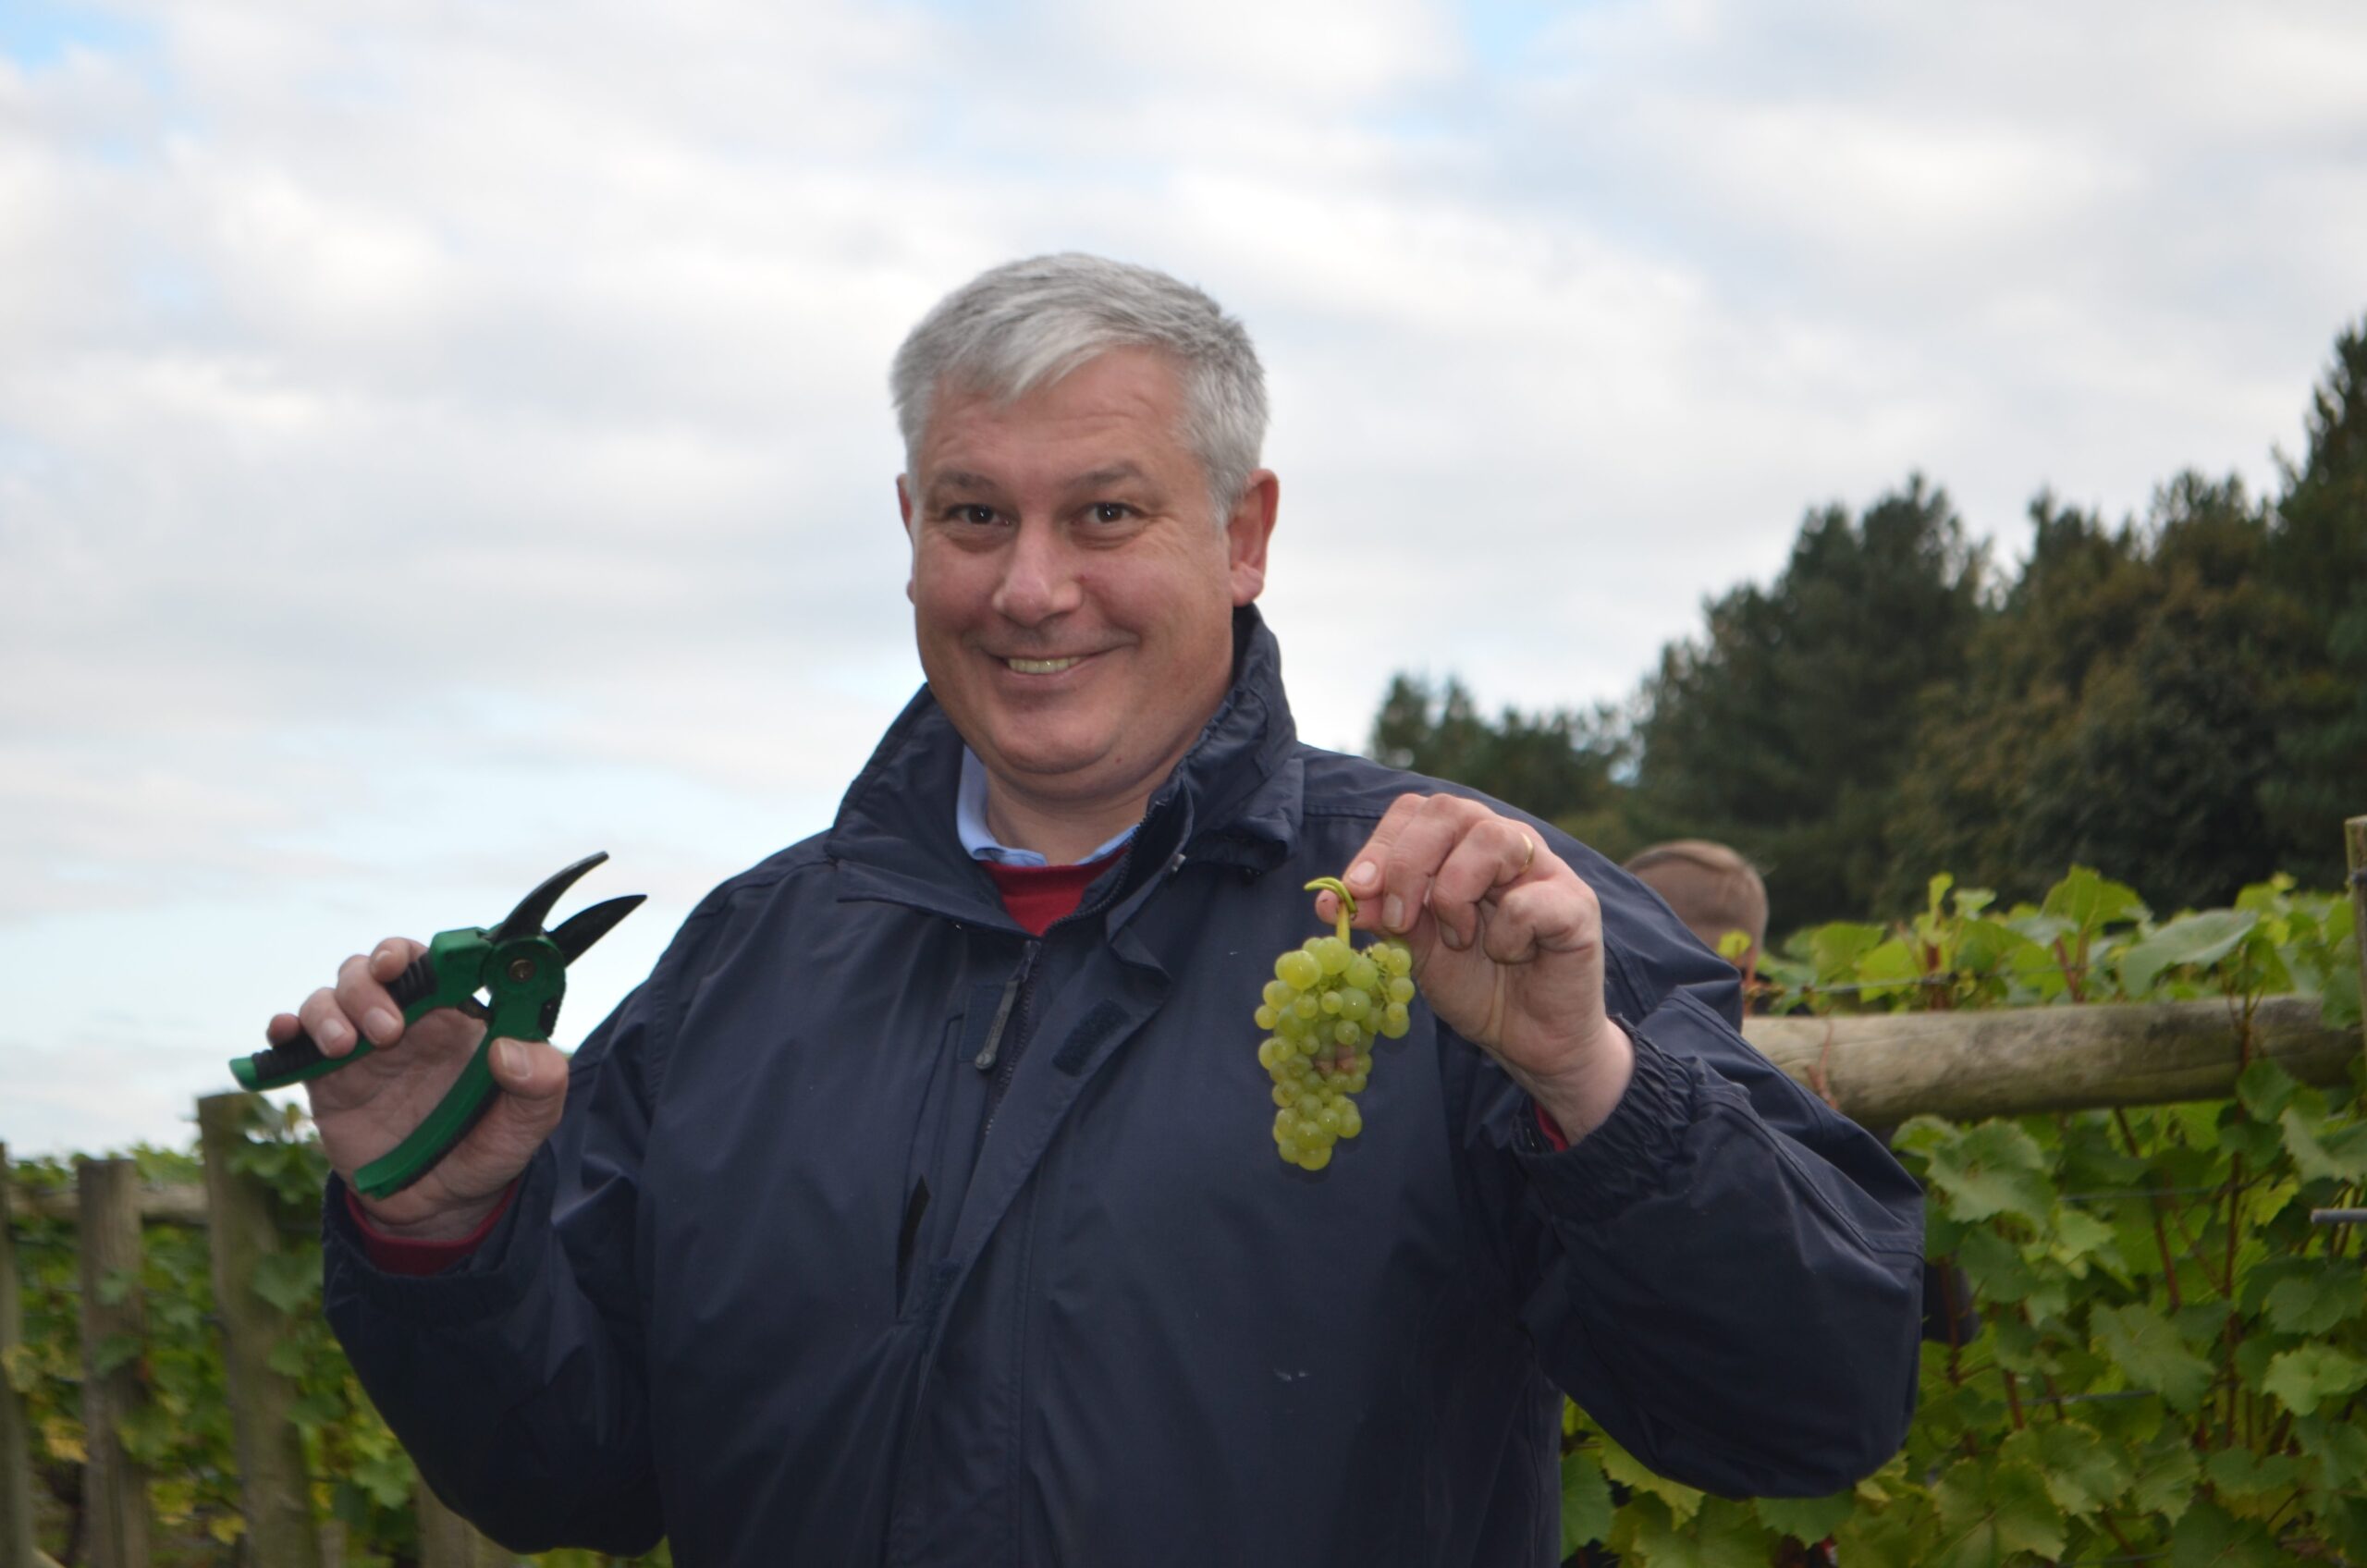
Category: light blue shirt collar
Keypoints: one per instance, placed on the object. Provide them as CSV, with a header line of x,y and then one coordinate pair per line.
x,y
970,822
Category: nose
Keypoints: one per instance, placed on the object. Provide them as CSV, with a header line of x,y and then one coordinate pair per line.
x,y
1039,578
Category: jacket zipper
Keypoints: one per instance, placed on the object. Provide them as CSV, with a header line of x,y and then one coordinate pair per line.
x,y
985,1060
1019,991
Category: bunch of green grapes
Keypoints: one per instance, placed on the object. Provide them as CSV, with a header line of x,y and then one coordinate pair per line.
x,y
1322,1011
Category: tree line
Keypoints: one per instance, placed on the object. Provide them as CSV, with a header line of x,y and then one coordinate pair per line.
x,y
2179,698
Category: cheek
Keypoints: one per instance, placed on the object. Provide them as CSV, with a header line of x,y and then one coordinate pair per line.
x,y
940,590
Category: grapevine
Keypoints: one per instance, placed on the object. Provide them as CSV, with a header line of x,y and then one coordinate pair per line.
x,y
1321,1012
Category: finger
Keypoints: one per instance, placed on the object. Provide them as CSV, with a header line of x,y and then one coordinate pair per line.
x,y
532,1071
283,1027
1364,866
1556,915
1493,853
1414,858
364,998
391,956
326,1023
531,1076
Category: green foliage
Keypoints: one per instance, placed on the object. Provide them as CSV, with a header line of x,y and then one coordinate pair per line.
x,y
1782,730
1561,765
2123,705
2172,1358
2182,697
360,1476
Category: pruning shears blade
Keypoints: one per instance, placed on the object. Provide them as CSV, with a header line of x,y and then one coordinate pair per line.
x,y
585,927
533,910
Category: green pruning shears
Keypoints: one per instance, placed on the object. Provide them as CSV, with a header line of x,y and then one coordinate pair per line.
x,y
512,976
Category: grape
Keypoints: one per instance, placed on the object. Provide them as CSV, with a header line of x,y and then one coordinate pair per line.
x,y
1321,1012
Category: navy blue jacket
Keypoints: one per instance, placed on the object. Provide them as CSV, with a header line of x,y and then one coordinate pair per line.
x,y
800,1282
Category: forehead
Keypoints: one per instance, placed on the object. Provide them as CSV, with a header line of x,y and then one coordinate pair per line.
x,y
1122,406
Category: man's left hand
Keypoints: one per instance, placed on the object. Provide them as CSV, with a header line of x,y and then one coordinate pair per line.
x,y
1507,945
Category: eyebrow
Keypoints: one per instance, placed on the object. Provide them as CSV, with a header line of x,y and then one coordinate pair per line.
x,y
961,479
1116,473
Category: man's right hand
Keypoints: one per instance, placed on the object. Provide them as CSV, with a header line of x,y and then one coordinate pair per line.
x,y
366,1109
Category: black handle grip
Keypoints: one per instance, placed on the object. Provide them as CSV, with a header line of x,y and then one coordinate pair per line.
x,y
292,1061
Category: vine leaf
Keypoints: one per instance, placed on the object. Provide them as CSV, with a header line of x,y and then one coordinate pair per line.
x,y
286,1279
2209,1537
1724,1535
2338,1449
1994,1168
1806,1519
2266,1089
118,1350
2092,902
2305,1379
2251,1484
2190,938
2082,1473
2146,1347
1586,1501
2314,1303
1683,1501
1987,1515
2340,1154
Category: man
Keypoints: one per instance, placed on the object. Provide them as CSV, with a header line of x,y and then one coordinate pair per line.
x,y
922,1206
1714,890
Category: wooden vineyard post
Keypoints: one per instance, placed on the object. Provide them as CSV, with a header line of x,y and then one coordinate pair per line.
x,y
2354,838
16,1439
115,1490
447,1540
276,1496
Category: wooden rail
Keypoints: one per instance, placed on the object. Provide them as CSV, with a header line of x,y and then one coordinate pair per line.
x,y
1882,1068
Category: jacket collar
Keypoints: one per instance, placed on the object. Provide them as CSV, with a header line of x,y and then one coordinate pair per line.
x,y
1234,799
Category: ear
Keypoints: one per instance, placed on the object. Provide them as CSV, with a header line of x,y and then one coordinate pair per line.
x,y
905,510
1246,532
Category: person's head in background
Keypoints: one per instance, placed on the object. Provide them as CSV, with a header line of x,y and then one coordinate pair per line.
x,y
1712,889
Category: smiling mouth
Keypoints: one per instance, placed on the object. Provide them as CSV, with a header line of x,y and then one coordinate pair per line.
x,y
1041,667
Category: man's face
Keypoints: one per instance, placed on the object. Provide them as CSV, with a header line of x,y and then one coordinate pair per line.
x,y
1071,589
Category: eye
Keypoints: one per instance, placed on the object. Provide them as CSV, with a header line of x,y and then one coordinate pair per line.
x,y
1111,511
974,513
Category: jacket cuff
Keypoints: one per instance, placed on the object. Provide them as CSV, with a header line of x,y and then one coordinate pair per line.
x,y
491,1279
1627,1157
403,1254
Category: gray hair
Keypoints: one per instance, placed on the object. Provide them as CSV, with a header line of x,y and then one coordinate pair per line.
x,y
1025,325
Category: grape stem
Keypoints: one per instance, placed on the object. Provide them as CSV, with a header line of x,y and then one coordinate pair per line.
x,y
1339,889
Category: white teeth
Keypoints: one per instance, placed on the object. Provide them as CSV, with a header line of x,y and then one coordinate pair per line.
x,y
1039,666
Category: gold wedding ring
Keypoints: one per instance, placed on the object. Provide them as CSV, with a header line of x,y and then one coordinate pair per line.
x,y
1529,859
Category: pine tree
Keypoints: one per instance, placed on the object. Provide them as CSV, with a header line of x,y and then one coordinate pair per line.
x,y
1782,730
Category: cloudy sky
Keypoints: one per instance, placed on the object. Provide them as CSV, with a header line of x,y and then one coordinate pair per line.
x,y
440,438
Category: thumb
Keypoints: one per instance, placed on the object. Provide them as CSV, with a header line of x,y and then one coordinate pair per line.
x,y
531,1075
